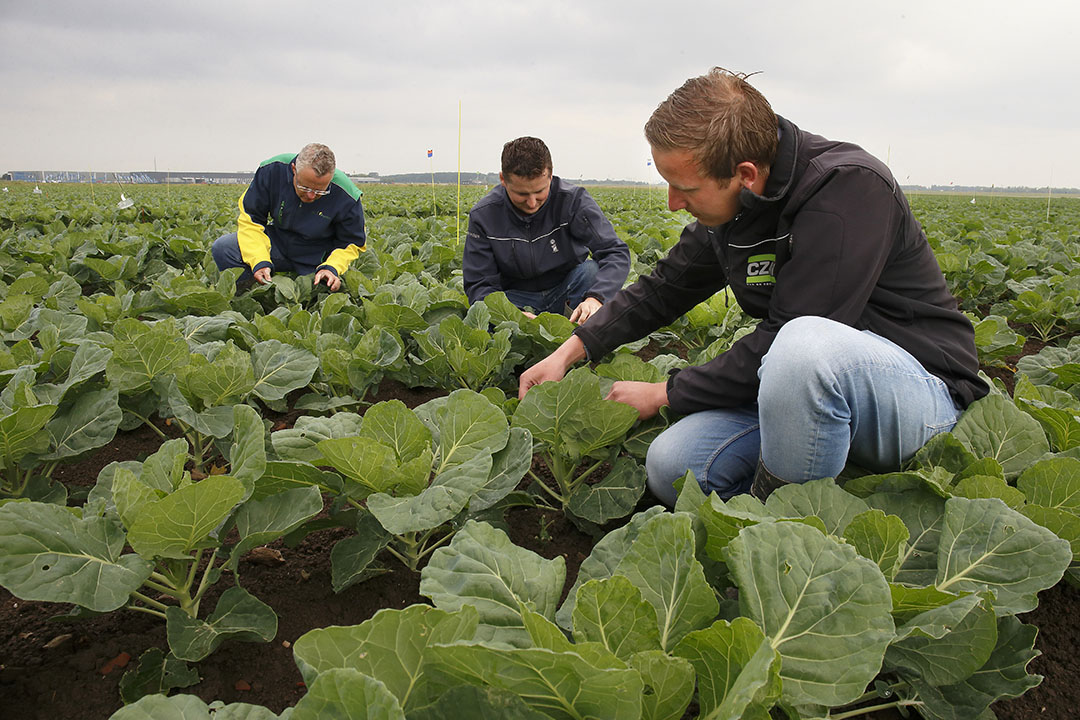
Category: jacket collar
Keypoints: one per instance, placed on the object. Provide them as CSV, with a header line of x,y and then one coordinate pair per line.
x,y
782,172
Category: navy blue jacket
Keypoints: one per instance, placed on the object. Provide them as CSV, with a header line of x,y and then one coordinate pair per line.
x,y
328,232
832,236
505,249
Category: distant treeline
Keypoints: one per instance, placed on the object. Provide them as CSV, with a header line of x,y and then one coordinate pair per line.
x,y
475,178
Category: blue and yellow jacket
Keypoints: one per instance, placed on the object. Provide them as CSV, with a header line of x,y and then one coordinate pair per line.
x,y
328,232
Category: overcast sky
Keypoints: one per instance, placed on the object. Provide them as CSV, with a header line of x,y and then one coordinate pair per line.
x,y
971,93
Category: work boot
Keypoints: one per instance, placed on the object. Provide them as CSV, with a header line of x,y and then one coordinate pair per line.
x,y
765,482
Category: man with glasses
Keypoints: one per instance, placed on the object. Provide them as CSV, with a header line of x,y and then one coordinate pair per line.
x,y
300,214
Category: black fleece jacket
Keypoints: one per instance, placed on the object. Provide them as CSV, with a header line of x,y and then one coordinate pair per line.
x,y
832,236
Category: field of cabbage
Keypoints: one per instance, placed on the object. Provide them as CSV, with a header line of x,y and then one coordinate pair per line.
x,y
169,449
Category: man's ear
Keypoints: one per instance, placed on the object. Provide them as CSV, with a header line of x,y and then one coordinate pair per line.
x,y
748,173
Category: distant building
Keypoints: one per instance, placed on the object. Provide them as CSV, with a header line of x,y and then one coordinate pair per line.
x,y
130,178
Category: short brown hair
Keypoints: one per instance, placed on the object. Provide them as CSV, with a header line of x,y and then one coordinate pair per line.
x,y
317,157
526,157
721,119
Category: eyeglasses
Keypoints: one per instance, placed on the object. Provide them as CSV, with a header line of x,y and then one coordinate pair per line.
x,y
313,191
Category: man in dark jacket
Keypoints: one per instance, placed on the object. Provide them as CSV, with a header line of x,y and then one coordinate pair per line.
x,y
861,352
300,213
532,238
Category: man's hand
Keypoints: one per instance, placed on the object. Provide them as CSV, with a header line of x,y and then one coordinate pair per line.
x,y
585,310
333,282
526,313
262,275
553,367
646,398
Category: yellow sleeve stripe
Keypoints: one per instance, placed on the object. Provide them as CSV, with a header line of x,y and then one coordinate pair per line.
x,y
252,238
340,258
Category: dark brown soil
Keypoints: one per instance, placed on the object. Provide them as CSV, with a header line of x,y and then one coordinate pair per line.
x,y
71,669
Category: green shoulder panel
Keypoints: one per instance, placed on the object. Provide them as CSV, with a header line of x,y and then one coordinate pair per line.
x,y
342,180
282,158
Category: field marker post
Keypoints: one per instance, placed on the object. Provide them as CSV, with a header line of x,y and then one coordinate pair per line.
x,y
431,169
458,173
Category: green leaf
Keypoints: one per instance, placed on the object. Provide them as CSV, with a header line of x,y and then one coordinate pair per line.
x,y
662,565
879,537
178,524
89,423
479,703
362,460
820,498
613,497
260,522
738,670
483,568
994,427
923,512
50,553
560,685
985,545
509,465
390,647
20,433
611,612
669,684
395,426
821,605
247,455
238,615
347,694
280,369
605,557
156,673
946,644
470,425
351,557
447,495
143,352
1004,675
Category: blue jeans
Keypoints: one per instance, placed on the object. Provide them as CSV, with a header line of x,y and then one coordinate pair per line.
x,y
226,253
571,291
828,393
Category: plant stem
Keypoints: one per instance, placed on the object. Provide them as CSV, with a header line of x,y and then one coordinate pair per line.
x,y
148,611
149,601
160,588
146,421
873,708
584,476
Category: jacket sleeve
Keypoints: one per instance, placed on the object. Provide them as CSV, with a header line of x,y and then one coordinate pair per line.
x,y
480,272
252,237
690,273
841,243
351,239
610,253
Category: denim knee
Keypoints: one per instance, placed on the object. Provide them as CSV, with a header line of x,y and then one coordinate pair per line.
x,y
224,251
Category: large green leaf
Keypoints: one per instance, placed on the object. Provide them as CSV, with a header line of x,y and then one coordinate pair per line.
x,y
572,417
48,552
611,611
281,368
509,465
738,670
559,684
362,460
879,537
946,644
923,512
89,423
351,558
20,433
347,694
389,647
259,522
181,522
247,455
480,703
483,568
821,498
821,605
994,427
605,557
1004,675
469,425
143,352
238,615
229,379
447,495
662,565
613,497
669,684
300,442
985,545
396,427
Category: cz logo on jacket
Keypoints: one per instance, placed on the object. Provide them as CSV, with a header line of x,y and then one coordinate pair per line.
x,y
759,269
